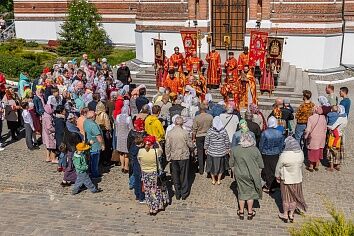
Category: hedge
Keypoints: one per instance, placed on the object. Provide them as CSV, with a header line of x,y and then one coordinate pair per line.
x,y
13,66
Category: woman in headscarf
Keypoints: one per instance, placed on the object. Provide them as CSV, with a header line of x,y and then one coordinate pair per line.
x,y
324,103
335,153
315,136
270,145
12,108
48,134
123,124
288,173
258,116
156,195
217,146
104,122
247,162
22,82
135,141
242,128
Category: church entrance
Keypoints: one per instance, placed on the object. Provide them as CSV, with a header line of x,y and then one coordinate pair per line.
x,y
229,17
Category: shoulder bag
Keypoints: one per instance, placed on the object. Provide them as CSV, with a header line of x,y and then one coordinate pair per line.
x,y
161,175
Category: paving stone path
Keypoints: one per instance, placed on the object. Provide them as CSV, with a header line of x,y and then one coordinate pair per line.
x,y
33,203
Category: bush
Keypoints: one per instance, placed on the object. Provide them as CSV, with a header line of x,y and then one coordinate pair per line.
x,y
12,66
36,71
8,47
31,44
337,226
18,42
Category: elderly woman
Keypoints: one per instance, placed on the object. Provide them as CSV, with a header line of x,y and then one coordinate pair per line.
x,y
270,145
324,103
48,134
315,136
258,116
217,146
247,162
335,154
12,106
243,128
289,174
103,120
155,194
123,126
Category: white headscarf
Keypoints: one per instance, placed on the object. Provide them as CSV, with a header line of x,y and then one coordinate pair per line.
x,y
323,101
208,97
217,123
272,122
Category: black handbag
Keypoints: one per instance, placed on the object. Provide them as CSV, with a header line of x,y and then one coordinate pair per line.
x,y
161,175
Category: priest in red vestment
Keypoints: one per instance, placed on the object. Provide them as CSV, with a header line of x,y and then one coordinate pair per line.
x,y
231,66
248,90
193,60
198,82
267,80
175,81
243,59
177,59
214,69
230,90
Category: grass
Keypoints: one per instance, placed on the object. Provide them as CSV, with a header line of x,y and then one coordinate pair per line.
x,y
120,55
338,225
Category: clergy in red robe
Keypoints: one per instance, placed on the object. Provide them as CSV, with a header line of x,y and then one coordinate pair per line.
x,y
192,61
175,81
231,66
177,59
248,90
214,69
230,90
197,81
243,59
267,80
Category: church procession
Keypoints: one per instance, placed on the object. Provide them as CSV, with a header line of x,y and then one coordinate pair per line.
x,y
121,118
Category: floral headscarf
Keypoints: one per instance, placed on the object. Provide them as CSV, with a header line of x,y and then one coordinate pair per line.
x,y
247,140
243,126
292,145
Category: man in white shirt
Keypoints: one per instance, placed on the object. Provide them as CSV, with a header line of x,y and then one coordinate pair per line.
x,y
29,127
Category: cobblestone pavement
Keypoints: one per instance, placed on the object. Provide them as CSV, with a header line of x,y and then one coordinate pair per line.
x,y
33,203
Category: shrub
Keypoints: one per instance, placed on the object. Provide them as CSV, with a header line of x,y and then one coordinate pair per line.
x,y
31,44
13,66
18,42
337,226
36,71
8,47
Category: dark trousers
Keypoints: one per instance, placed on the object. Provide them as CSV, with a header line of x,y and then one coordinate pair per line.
x,y
201,153
268,172
29,135
180,177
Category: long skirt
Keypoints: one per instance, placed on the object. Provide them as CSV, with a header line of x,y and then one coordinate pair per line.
x,y
268,172
69,171
292,197
336,155
156,197
315,155
215,165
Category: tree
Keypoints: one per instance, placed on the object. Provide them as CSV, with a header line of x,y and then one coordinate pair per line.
x,y
81,28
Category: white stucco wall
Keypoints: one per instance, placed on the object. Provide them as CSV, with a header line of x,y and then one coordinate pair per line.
x,y
145,51
37,30
121,33
348,49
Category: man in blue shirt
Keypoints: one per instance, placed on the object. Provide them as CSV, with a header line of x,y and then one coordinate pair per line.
x,y
343,92
95,139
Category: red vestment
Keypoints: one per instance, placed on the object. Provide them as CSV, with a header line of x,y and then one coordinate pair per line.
x,y
214,68
177,59
231,89
267,81
175,84
231,68
247,88
193,62
243,60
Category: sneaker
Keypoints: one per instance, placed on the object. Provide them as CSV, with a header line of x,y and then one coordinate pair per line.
x,y
97,191
2,149
142,202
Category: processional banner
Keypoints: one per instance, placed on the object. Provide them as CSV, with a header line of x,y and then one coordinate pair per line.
x,y
190,39
258,49
275,52
158,48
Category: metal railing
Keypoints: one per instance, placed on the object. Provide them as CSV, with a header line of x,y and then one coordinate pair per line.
x,y
9,32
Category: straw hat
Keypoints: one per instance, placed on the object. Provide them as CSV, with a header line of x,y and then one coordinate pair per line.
x,y
82,147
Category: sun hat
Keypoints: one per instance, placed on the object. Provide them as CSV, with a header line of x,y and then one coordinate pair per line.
x,y
82,147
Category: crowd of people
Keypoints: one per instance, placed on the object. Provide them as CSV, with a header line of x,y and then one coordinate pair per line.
x,y
86,118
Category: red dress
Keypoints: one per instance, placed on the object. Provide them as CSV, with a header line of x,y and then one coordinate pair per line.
x,y
267,81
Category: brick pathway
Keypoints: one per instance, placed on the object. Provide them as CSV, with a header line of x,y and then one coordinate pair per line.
x,y
33,202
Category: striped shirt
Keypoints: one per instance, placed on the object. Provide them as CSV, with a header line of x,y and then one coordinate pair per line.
x,y
217,143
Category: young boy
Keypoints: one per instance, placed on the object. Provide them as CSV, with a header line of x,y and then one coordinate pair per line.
x,y
29,127
343,92
81,167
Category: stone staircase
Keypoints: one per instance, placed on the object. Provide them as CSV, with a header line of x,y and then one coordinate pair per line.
x,y
9,32
290,85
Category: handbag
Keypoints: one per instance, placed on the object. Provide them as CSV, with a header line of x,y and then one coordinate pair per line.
x,y
161,175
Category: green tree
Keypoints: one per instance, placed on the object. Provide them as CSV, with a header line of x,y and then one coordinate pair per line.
x,y
80,29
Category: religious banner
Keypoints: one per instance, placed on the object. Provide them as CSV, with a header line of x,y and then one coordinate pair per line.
x,y
158,48
190,39
275,53
258,47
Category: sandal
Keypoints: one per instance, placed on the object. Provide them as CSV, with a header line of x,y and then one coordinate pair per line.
x,y
218,182
241,215
251,215
291,219
281,216
309,169
337,168
316,169
213,182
